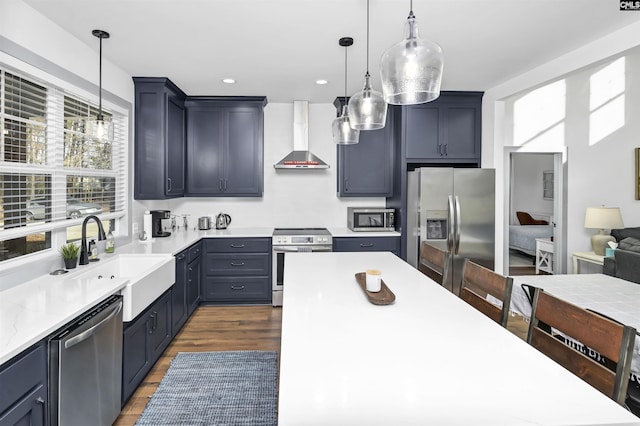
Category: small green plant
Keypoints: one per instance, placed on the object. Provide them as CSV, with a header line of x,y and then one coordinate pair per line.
x,y
70,251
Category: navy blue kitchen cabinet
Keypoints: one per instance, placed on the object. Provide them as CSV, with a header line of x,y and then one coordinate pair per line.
x,y
236,270
444,131
160,139
144,340
23,388
225,145
342,244
194,260
179,309
366,168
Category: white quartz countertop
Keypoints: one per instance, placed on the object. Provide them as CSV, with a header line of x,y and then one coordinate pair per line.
x,y
30,312
427,359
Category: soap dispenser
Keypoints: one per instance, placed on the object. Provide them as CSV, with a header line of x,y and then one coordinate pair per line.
x,y
93,251
110,245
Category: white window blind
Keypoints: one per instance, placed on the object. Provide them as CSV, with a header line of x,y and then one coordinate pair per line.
x,y
51,173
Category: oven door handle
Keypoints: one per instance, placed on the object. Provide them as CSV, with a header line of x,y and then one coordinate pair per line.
x,y
285,249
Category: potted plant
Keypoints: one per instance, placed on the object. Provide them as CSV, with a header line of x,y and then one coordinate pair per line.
x,y
70,253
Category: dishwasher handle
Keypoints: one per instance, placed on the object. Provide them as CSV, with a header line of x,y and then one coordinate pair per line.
x,y
93,330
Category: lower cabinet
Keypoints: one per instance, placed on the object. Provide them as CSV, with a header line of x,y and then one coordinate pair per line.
x,y
194,260
144,340
23,389
236,270
391,244
179,312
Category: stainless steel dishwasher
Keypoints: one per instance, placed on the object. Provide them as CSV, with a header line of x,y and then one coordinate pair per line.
x,y
85,367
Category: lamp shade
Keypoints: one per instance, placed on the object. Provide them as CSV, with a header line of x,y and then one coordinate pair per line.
x,y
343,133
368,108
411,70
603,218
99,128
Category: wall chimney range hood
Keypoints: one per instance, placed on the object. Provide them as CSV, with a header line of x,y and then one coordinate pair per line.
x,y
301,157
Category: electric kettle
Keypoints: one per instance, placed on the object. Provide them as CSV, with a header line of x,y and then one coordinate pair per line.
x,y
222,221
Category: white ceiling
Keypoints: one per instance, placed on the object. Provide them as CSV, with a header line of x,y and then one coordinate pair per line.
x,y
278,48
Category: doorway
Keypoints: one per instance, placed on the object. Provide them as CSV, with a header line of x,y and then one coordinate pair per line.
x,y
536,187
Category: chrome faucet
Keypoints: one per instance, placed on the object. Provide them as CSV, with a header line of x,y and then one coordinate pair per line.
x,y
84,256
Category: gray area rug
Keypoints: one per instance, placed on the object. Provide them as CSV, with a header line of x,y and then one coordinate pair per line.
x,y
216,388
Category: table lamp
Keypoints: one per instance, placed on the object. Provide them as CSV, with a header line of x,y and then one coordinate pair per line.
x,y
602,218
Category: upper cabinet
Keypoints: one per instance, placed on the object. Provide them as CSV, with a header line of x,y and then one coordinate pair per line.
x,y
225,146
365,169
445,130
159,139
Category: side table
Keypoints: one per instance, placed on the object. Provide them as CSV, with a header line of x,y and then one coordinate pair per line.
x,y
588,257
544,255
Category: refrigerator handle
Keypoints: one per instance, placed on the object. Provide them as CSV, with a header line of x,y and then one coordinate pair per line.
x,y
451,221
457,236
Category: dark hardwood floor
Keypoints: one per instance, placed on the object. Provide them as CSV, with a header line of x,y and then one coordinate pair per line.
x,y
210,328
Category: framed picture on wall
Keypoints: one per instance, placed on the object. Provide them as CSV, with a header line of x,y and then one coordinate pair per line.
x,y
547,185
637,175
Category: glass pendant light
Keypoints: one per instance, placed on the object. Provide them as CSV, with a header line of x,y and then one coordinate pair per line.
x,y
100,128
343,134
411,71
368,108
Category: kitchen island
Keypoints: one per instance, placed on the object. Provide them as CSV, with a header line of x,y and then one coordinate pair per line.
x,y
428,358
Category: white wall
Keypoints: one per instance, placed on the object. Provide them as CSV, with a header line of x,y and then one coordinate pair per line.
x,y
526,186
292,198
595,174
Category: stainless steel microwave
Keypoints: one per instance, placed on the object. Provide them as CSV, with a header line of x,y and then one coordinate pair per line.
x,y
371,219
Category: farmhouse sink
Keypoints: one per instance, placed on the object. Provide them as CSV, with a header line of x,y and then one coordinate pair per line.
x,y
148,275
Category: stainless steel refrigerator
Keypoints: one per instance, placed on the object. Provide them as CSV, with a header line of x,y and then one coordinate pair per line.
x,y
454,209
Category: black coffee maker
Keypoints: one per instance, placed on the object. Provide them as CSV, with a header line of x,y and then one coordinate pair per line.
x,y
156,222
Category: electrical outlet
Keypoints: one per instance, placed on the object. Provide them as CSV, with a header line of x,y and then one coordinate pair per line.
x,y
135,228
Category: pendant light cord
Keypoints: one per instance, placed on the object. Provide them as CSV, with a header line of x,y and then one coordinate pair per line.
x,y
411,15
367,37
345,72
100,83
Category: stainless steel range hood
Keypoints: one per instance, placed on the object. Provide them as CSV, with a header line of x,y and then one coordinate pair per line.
x,y
301,157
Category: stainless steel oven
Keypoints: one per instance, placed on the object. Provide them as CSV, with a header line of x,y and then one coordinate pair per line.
x,y
294,240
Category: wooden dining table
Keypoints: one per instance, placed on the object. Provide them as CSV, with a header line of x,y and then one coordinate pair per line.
x,y
428,358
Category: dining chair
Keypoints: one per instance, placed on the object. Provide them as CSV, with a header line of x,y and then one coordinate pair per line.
x,y
478,282
610,339
433,262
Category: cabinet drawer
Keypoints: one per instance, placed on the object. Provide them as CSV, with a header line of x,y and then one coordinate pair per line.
x,y
236,288
236,264
237,245
24,374
367,244
194,252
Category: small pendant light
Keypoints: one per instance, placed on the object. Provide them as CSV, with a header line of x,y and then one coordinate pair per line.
x,y
99,128
368,108
411,70
343,134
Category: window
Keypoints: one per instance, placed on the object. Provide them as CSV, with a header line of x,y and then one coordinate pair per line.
x,y
52,174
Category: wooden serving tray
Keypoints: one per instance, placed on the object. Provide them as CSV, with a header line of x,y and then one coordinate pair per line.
x,y
382,297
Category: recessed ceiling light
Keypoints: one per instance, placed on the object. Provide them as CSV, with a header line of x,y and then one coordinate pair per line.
x,y
321,82
228,80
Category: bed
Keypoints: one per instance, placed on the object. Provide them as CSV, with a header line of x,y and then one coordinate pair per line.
x,y
523,237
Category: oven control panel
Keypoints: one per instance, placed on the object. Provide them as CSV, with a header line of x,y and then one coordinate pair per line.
x,y
302,240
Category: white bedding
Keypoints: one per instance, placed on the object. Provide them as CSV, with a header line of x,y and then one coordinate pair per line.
x,y
523,237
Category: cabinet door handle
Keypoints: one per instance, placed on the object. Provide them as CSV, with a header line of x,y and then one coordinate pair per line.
x,y
440,149
346,185
181,256
237,245
237,287
445,150
366,245
220,184
152,321
225,185
169,184
39,400
237,264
